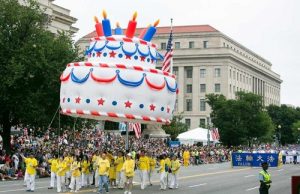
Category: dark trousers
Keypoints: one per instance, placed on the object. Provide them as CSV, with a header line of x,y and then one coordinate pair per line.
x,y
263,190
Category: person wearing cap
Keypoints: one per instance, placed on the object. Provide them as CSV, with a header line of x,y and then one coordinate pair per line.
x,y
264,179
103,169
128,169
31,165
175,165
53,162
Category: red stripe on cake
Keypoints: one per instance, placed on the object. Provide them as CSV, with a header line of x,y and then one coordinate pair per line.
x,y
127,39
129,116
153,71
112,114
121,66
76,64
104,65
145,118
158,120
95,113
138,68
68,111
143,42
110,38
88,64
79,112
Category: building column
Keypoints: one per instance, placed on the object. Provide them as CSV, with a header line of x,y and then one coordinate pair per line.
x,y
180,96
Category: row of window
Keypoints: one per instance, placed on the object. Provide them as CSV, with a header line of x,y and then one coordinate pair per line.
x,y
189,105
239,77
202,122
163,45
189,72
189,88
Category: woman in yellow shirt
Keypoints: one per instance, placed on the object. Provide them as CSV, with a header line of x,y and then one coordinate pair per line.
x,y
53,162
61,174
128,169
162,171
186,157
85,164
75,175
112,174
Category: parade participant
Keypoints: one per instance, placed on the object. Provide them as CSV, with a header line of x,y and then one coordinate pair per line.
x,y
175,165
95,159
69,159
31,165
53,162
85,164
143,165
103,169
119,164
264,179
61,173
186,157
168,170
128,169
162,171
112,174
152,162
75,175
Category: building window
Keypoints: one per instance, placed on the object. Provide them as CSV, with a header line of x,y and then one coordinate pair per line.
x,y
189,88
191,44
234,89
217,72
188,105
230,88
189,72
163,46
237,76
230,73
205,44
175,71
202,105
202,123
188,122
202,88
202,73
233,74
217,87
177,45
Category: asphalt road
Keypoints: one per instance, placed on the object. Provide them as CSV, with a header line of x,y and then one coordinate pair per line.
x,y
204,179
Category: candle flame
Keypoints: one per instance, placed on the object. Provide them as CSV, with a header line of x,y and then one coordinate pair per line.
x,y
104,14
134,16
118,25
96,19
156,23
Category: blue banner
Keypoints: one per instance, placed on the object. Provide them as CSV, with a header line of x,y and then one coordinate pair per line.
x,y
254,160
174,144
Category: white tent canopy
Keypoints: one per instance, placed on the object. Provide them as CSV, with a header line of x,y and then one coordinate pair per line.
x,y
194,136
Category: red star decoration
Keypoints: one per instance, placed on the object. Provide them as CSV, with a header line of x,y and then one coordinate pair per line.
x,y
168,110
152,107
128,57
100,101
77,100
142,58
112,54
99,54
128,104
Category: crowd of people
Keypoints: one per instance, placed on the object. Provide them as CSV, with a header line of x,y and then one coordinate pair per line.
x,y
76,158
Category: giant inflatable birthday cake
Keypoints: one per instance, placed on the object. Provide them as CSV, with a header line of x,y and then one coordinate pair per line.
x,y
119,81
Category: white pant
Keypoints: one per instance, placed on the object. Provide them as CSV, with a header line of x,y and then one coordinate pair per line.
x,y
60,183
163,180
173,180
150,173
85,179
52,180
25,178
120,179
96,174
143,176
75,181
30,182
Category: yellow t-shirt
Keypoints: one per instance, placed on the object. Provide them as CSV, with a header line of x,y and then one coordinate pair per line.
x,y
61,168
152,163
69,161
53,162
168,162
75,169
144,163
119,163
162,166
175,165
31,164
85,167
103,166
112,172
128,168
95,159
186,155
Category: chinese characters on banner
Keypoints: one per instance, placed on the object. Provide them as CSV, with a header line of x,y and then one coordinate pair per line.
x,y
254,160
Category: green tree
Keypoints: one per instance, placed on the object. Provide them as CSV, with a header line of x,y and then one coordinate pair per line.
x,y
296,131
31,61
176,127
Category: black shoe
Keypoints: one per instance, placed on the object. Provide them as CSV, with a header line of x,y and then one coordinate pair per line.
x,y
50,187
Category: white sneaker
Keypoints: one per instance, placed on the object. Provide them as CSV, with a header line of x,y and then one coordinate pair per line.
x,y
129,192
126,192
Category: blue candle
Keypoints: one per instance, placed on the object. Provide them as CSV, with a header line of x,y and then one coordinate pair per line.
x,y
118,29
106,24
150,32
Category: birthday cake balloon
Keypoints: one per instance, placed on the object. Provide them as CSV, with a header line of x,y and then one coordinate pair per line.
x,y
119,81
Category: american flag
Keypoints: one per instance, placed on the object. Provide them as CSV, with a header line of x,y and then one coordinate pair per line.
x,y
215,134
136,127
169,54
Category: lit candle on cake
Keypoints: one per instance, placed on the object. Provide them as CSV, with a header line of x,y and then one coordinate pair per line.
x,y
98,27
131,26
142,34
150,32
118,29
106,24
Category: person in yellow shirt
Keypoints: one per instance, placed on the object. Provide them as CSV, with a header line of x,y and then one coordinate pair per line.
x,y
162,171
168,171
53,163
175,166
95,159
85,164
31,165
119,164
75,175
152,162
112,174
61,173
128,169
143,165
186,157
69,160
103,169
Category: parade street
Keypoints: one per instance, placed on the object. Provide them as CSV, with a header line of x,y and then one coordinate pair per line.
x,y
204,179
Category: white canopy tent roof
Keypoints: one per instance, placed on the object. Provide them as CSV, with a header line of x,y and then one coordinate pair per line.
x,y
194,136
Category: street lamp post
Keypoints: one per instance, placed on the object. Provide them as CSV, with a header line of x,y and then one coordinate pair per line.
x,y
208,134
279,135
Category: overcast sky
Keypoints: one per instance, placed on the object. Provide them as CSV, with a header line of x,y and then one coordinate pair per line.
x,y
271,28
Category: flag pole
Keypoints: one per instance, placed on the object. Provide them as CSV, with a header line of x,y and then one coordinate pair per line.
x,y
171,66
126,140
